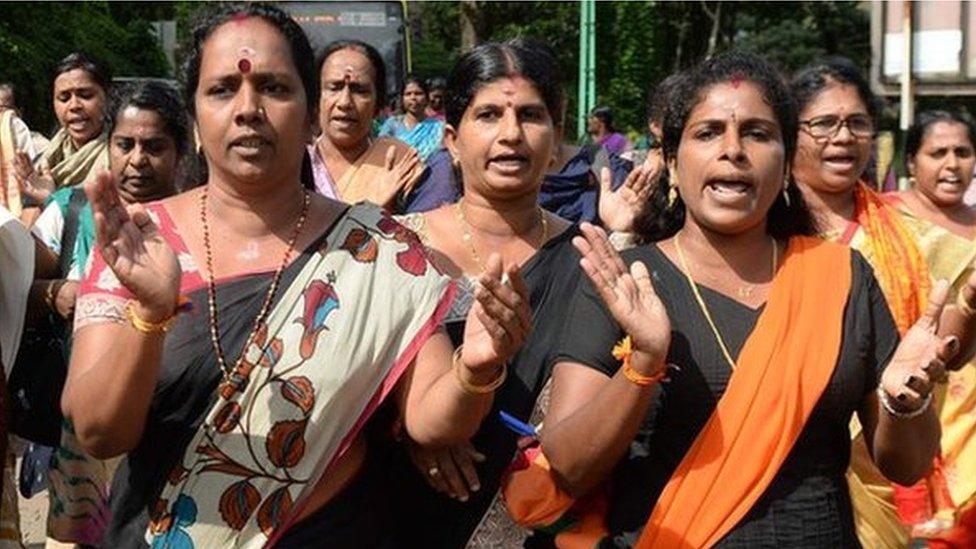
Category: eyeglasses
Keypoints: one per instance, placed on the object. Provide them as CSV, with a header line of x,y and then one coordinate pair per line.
x,y
860,125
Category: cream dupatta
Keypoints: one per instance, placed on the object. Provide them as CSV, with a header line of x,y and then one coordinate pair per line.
x,y
9,188
330,351
71,166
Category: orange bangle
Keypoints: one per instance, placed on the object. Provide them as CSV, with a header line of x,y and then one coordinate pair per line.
x,y
623,351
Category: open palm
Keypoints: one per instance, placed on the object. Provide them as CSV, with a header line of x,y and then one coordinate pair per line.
x,y
500,320
139,256
628,294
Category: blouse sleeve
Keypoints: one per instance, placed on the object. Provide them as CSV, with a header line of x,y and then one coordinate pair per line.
x,y
101,297
590,332
884,336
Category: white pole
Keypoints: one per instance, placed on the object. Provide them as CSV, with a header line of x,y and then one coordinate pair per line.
x,y
907,114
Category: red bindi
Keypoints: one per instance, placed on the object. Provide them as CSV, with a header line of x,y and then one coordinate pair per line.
x,y
244,65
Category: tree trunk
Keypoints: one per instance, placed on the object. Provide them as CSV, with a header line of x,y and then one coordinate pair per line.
x,y
470,24
716,18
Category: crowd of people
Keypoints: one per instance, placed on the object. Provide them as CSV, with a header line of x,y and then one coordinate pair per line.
x,y
251,314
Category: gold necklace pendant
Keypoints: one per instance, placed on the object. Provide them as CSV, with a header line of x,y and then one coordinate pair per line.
x,y
469,239
701,301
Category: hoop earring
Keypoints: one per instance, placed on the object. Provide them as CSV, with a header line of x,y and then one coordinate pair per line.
x,y
786,194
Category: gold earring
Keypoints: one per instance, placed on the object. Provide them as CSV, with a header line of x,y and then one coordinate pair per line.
x,y
672,188
786,194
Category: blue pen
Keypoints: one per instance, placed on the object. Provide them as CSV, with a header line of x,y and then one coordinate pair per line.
x,y
517,425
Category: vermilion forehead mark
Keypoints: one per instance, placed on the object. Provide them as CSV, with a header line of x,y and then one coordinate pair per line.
x,y
737,80
239,17
244,62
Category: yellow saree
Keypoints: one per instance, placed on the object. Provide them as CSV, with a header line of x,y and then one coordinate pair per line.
x,y
358,182
950,256
879,234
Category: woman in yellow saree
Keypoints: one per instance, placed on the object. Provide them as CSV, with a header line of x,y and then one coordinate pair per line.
x,y
939,155
837,114
346,163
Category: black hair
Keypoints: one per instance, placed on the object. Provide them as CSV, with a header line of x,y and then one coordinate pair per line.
x,y
924,121
416,80
659,98
158,97
372,55
488,62
97,70
811,80
686,91
604,114
215,15
436,83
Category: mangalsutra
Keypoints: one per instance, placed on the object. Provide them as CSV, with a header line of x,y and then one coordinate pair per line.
x,y
466,231
701,301
268,298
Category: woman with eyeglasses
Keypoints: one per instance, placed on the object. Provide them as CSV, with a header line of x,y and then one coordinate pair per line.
x,y
836,134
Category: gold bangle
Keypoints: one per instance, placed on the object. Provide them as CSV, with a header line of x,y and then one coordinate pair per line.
x,y
144,325
964,306
469,387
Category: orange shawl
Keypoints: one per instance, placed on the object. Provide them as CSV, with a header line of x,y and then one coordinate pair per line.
x,y
891,249
782,371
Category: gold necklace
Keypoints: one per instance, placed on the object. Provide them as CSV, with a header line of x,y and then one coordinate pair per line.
x,y
701,301
466,231
268,298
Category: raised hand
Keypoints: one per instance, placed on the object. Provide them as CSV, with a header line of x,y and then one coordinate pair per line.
x,y
400,176
500,319
619,209
629,295
135,251
30,182
920,359
450,471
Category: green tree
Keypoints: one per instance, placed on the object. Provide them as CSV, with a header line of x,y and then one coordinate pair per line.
x,y
34,36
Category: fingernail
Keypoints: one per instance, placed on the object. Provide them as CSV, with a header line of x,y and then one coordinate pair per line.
x,y
476,487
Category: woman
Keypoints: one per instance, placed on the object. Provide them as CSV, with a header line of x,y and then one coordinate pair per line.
x,y
939,156
414,127
346,164
79,149
303,316
603,133
747,443
503,126
148,134
837,120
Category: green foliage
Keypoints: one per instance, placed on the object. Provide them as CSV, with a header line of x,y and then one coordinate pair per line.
x,y
640,42
34,36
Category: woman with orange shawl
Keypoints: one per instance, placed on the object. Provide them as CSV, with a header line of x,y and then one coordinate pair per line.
x,y
775,338
940,156
837,114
